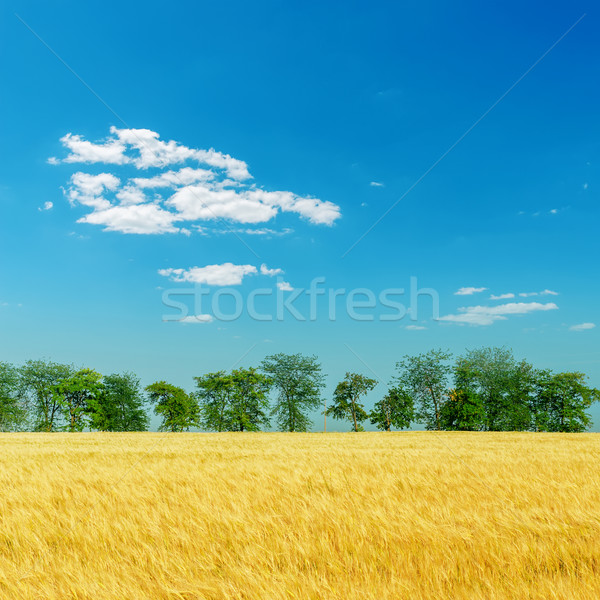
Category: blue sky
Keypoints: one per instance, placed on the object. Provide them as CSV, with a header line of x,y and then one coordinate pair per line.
x,y
234,135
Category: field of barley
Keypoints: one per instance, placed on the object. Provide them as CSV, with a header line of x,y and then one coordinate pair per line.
x,y
305,516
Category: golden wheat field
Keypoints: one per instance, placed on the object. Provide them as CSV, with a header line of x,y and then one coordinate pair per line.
x,y
316,516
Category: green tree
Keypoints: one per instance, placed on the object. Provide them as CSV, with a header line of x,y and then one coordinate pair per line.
x,y
41,380
120,407
299,381
249,406
214,392
395,409
77,394
566,398
13,408
426,378
178,409
346,399
504,386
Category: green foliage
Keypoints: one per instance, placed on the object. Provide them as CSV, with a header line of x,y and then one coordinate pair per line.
x,y
462,412
346,399
77,394
249,405
299,381
214,394
491,391
13,410
395,409
426,378
41,380
236,401
120,407
178,409
565,398
503,386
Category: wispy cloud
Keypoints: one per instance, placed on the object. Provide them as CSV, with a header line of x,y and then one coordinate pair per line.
x,y
582,327
415,327
487,315
206,185
46,206
502,296
468,291
196,319
376,184
542,293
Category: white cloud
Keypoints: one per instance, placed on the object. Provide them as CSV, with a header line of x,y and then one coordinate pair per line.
x,y
46,206
415,327
264,270
585,186
200,202
201,318
486,315
502,296
376,184
134,218
468,291
111,152
171,179
542,293
582,327
220,275
217,190
89,190
284,286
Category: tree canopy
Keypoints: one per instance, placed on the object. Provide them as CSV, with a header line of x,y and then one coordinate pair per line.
x,y
299,381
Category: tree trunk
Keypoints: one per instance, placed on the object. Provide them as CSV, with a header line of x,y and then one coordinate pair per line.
x,y
437,411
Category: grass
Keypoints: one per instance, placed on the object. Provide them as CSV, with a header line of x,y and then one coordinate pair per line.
x,y
304,516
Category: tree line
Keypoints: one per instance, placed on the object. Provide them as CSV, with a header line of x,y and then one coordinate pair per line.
x,y
485,389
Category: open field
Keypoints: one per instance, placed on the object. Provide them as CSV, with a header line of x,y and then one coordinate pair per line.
x,y
253,516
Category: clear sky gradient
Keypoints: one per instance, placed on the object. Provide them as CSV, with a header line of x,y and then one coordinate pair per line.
x,y
233,135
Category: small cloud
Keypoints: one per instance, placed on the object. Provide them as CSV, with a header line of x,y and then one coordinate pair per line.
x,y
363,204
47,206
376,184
196,319
468,291
53,161
582,327
585,186
554,211
284,286
502,296
542,293
264,270
415,327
